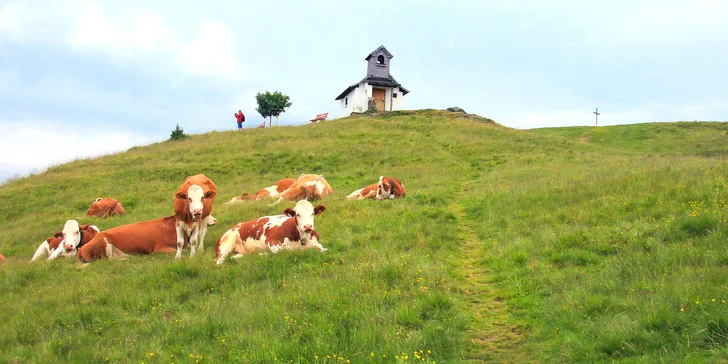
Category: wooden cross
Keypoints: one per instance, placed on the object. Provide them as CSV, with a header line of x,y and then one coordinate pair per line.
x,y
596,113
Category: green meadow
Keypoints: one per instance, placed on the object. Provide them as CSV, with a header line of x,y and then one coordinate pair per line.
x,y
580,244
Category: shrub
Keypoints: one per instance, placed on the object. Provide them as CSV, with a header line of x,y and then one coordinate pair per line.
x,y
178,134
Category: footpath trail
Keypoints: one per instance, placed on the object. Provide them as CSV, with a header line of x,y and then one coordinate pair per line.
x,y
493,337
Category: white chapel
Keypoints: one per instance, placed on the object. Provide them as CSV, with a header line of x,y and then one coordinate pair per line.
x,y
378,88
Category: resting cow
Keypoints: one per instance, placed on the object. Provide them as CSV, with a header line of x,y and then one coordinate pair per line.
x,y
66,242
387,187
307,187
267,192
146,237
193,204
290,231
105,207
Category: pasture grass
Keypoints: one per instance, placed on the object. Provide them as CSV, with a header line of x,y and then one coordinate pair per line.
x,y
549,245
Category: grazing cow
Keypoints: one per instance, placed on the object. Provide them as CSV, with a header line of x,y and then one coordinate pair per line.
x,y
65,243
267,192
307,187
105,207
146,237
193,204
290,231
380,190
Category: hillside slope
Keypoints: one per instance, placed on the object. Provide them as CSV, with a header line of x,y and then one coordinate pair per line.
x,y
510,246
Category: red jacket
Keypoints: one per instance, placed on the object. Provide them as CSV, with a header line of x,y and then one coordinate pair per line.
x,y
239,116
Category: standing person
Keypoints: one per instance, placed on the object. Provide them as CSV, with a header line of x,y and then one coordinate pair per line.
x,y
240,117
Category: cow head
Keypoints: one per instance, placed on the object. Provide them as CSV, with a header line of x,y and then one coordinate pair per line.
x,y
75,235
304,212
385,188
195,194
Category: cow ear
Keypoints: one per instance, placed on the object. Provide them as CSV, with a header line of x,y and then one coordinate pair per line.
x,y
244,195
290,212
97,200
181,195
210,194
83,227
58,235
319,209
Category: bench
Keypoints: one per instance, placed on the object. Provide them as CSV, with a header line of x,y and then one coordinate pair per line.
x,y
319,117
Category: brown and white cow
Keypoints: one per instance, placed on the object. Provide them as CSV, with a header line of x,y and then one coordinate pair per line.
x,y
65,243
145,237
105,207
193,204
307,187
387,187
290,231
364,193
264,193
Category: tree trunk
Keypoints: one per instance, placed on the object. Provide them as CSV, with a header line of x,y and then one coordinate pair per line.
x,y
270,121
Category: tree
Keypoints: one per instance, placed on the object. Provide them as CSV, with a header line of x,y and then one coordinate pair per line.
x,y
272,104
177,134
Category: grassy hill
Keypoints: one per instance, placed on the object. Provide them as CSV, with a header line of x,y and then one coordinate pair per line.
x,y
549,245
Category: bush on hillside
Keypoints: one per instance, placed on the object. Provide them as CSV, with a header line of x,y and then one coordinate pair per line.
x,y
178,134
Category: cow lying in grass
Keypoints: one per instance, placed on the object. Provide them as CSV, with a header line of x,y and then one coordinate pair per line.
x,y
105,207
290,231
145,237
264,193
65,243
386,188
309,187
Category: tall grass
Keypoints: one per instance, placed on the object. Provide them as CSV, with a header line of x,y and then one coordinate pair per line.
x,y
596,249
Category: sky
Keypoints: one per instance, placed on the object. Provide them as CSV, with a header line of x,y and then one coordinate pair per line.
x,y
83,78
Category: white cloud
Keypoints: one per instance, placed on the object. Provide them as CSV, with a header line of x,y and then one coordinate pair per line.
x,y
40,144
11,23
127,32
210,52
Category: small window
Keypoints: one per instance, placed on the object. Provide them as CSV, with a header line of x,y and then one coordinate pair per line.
x,y
380,59
346,101
394,95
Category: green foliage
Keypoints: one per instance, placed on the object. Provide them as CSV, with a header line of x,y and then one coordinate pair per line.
x,y
272,104
551,245
178,134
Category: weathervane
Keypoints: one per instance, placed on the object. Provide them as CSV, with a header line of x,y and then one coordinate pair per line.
x,y
596,114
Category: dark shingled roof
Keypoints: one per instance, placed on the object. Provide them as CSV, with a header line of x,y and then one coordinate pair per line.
x,y
389,55
375,81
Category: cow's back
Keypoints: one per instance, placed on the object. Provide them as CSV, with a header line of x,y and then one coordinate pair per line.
x,y
307,187
105,207
284,184
142,237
